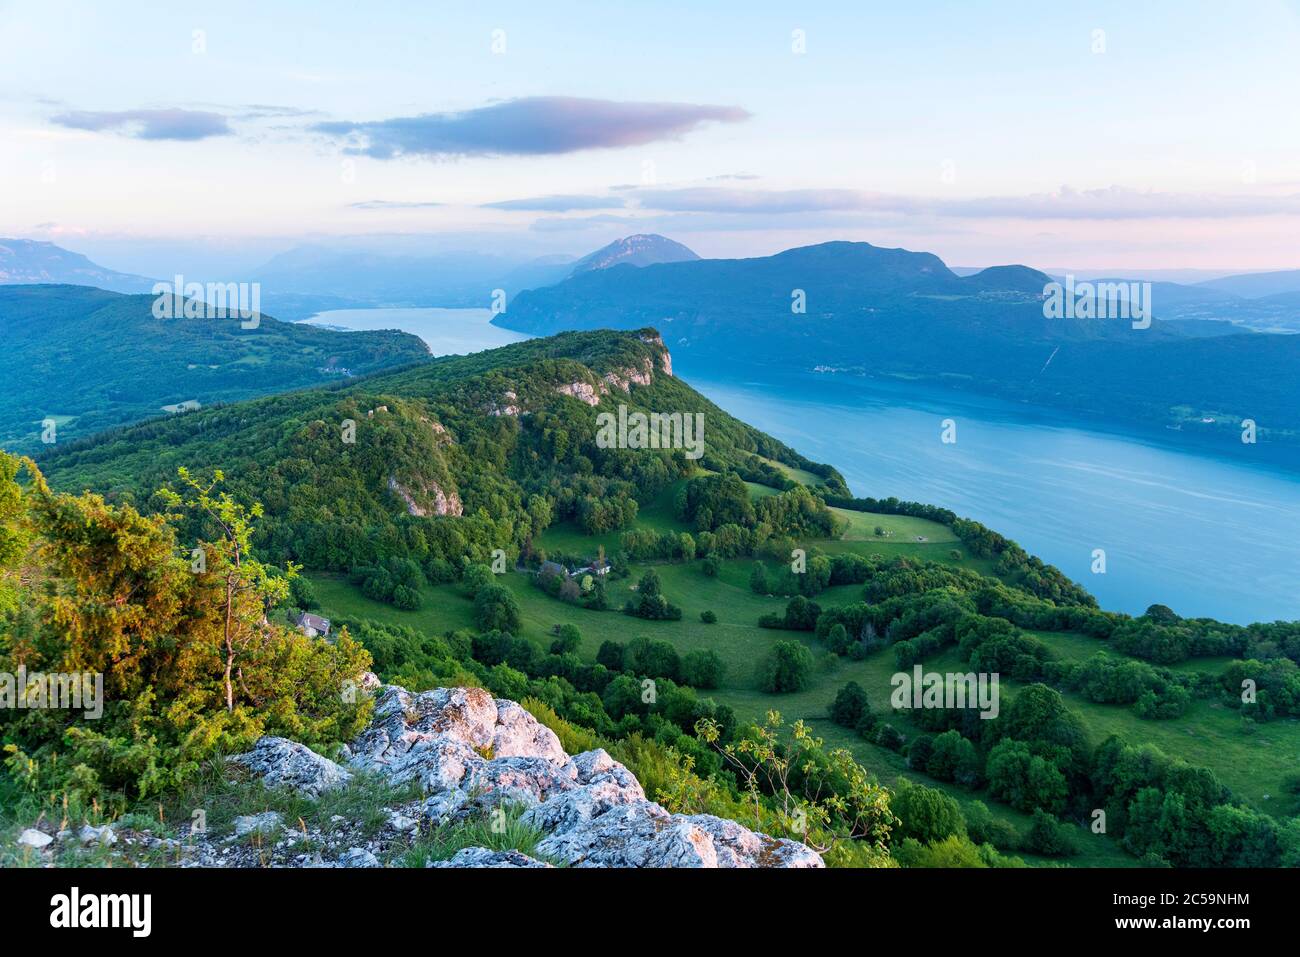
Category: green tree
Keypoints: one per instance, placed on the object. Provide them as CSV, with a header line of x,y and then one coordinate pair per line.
x,y
787,668
249,589
926,814
850,705
495,609
703,669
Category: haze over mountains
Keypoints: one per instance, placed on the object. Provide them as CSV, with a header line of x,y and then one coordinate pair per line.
x,y
865,310
892,312
29,261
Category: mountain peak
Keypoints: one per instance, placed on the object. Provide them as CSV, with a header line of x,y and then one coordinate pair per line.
x,y
27,261
642,249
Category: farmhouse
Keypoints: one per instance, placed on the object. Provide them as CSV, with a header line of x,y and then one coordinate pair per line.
x,y
313,626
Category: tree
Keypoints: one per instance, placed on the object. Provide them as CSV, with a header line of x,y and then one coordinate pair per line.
x,y
702,669
302,593
919,752
249,589
1025,780
709,617
849,705
495,609
610,655
191,663
927,814
406,598
476,577
787,668
653,659
567,639
14,533
623,697
889,737
1049,837
953,758
841,803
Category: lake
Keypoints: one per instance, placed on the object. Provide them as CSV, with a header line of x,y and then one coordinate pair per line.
x,y
444,331
1208,535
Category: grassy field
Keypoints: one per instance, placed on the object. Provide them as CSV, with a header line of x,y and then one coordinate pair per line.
x,y
1252,764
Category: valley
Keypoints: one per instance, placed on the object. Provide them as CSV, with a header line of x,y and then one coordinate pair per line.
x,y
440,531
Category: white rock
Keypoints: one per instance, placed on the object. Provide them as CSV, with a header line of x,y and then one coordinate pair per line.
x,y
738,846
642,834
358,857
483,857
96,835
34,838
445,806
519,734
469,752
280,762
267,822
400,822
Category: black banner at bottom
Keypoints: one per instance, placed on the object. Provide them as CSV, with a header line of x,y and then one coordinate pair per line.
x,y
142,907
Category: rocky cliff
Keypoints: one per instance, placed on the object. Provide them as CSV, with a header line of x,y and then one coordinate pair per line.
x,y
459,755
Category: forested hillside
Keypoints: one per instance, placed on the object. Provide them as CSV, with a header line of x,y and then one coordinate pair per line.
x,y
78,360
730,627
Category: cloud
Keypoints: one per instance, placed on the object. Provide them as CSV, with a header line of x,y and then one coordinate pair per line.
x,y
559,204
565,224
1113,203
148,124
392,204
532,126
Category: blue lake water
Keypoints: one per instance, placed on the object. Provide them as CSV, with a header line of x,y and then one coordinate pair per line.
x,y
1208,532
445,331
1211,535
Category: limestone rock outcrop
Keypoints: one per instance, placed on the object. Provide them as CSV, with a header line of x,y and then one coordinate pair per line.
x,y
470,753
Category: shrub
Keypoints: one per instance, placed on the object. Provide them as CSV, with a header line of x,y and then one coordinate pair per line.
x,y
709,617
652,658
495,608
567,640
927,814
1050,837
703,669
850,705
611,655
787,668
889,737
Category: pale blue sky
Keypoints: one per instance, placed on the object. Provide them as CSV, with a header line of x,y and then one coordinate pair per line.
x,y
983,132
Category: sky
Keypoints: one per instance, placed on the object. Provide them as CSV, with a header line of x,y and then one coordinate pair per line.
x,y
1153,136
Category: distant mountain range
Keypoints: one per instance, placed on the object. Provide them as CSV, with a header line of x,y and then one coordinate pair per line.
x,y
849,307
25,261
309,279
78,360
893,312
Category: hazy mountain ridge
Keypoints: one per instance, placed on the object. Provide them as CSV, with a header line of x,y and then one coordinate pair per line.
x,y
25,261
89,359
893,312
